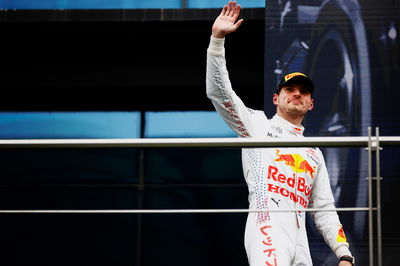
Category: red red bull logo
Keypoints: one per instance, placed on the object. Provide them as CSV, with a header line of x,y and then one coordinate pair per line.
x,y
296,162
289,183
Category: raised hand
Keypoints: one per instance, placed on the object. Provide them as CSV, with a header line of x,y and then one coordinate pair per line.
x,y
226,21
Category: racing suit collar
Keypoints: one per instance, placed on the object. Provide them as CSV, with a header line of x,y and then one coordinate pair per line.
x,y
287,126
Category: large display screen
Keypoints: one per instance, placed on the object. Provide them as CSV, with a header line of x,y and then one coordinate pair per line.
x,y
353,59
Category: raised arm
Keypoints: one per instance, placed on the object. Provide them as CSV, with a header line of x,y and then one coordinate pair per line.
x,y
219,89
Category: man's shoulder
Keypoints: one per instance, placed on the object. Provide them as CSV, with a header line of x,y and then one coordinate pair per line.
x,y
258,113
261,123
258,116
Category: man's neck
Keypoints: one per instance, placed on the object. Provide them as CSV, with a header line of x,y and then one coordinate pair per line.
x,y
294,119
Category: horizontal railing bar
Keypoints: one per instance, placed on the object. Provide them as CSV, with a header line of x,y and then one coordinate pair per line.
x,y
122,186
166,211
197,142
387,141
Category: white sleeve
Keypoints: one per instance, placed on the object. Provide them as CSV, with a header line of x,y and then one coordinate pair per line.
x,y
327,223
219,91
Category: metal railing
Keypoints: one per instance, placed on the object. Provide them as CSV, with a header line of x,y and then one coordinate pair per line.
x,y
371,143
200,142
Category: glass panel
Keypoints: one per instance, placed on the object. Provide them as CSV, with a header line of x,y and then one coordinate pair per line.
x,y
221,3
68,166
183,237
120,4
193,166
190,166
88,4
20,125
66,239
185,124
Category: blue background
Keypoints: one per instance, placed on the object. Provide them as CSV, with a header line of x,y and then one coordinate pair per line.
x,y
120,4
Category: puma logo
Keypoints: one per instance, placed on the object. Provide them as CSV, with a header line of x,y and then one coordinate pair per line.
x,y
276,202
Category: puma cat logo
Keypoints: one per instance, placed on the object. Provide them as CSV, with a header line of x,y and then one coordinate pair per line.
x,y
276,202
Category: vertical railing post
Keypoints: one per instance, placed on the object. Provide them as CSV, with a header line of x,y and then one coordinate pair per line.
x,y
378,198
370,213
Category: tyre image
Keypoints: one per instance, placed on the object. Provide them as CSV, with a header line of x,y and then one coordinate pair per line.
x,y
333,68
337,69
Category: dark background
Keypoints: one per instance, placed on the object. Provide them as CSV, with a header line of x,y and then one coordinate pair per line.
x,y
154,60
114,60
138,60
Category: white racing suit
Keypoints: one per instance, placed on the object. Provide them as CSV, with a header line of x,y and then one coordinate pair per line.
x,y
277,178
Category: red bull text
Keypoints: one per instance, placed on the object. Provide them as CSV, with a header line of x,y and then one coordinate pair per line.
x,y
302,187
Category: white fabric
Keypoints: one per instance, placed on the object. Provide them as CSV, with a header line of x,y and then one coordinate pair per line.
x,y
277,178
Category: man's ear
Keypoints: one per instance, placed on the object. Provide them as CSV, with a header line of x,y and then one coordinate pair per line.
x,y
311,105
275,99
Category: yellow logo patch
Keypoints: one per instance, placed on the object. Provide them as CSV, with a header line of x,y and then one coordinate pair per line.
x,y
294,74
341,237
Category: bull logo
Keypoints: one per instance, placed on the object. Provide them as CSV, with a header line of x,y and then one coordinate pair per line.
x,y
296,162
341,237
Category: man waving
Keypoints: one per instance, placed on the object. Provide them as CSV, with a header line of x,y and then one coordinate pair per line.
x,y
278,179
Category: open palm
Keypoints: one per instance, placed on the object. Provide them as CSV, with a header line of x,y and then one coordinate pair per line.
x,y
226,22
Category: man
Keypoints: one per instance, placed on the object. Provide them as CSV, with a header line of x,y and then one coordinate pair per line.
x,y
277,179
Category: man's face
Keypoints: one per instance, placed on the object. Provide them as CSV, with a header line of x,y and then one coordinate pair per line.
x,y
293,100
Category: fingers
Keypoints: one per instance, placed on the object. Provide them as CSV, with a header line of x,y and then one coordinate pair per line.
x,y
223,11
237,12
238,23
231,8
